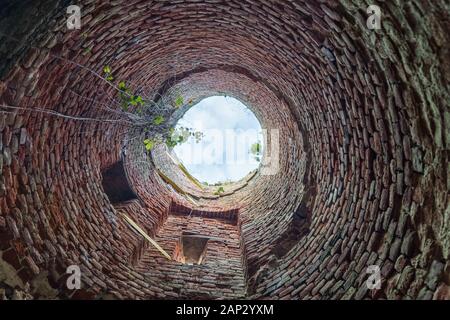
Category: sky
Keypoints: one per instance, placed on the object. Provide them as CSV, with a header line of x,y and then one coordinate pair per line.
x,y
229,129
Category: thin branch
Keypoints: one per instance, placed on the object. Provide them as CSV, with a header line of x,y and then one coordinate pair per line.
x,y
58,114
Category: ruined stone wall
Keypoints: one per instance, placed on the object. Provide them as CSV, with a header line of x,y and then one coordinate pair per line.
x,y
220,275
364,121
377,144
266,207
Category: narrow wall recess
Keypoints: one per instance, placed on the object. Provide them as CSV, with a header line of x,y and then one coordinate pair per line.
x,y
191,249
116,185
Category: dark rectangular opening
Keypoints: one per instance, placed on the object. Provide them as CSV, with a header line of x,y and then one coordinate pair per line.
x,y
116,185
297,229
191,248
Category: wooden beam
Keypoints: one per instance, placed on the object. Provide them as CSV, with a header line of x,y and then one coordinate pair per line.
x,y
176,187
205,237
146,236
186,172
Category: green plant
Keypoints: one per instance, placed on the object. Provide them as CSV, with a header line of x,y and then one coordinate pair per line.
x,y
219,191
179,101
108,75
158,120
222,183
151,113
127,99
149,144
181,135
256,150
87,50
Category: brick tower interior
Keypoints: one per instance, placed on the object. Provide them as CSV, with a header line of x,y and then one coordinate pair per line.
x,y
363,119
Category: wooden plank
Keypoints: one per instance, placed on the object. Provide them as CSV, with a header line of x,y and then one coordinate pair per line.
x,y
146,236
169,181
195,203
176,187
185,171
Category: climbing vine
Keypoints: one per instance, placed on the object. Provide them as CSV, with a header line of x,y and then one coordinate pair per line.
x,y
152,115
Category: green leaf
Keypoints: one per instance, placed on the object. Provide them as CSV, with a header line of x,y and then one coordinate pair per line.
x,y
139,100
179,101
219,191
158,120
170,143
107,69
149,144
122,85
255,149
109,78
87,50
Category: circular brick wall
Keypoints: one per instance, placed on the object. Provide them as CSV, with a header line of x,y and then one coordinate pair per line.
x,y
363,120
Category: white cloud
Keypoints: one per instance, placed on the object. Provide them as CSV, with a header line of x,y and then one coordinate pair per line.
x,y
212,115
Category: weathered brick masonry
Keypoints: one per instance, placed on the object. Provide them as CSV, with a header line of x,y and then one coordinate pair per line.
x,y
364,125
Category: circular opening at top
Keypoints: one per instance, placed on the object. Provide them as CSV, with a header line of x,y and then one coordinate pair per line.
x,y
220,140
